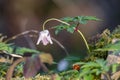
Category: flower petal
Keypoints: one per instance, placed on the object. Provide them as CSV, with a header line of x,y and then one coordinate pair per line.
x,y
44,37
39,39
49,39
45,41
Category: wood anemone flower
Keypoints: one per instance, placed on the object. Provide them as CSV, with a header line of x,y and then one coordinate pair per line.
x,y
44,37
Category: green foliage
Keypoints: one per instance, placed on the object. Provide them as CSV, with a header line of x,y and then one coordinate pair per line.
x,y
22,50
110,47
74,21
5,47
92,68
69,75
3,69
106,41
114,67
10,47
103,39
80,19
116,30
88,77
19,50
18,71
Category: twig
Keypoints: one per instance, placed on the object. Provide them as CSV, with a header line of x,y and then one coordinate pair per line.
x,y
37,32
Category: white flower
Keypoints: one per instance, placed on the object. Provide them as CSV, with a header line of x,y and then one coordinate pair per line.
x,y
44,37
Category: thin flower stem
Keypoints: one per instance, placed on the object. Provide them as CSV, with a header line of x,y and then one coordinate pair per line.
x,y
84,40
55,20
60,45
68,25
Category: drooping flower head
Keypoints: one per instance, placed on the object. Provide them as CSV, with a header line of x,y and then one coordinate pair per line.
x,y
44,37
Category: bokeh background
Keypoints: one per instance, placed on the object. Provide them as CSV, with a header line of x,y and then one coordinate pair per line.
x,y
17,16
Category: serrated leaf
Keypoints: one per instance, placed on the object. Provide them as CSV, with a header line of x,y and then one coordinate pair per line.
x,y
81,20
60,27
71,30
73,22
85,19
101,62
67,19
91,18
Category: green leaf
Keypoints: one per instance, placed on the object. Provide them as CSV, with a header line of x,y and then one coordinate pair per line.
x,y
22,50
98,72
60,27
88,77
82,20
84,72
110,47
90,65
5,47
85,19
91,18
71,30
73,21
101,62
67,19
94,70
114,67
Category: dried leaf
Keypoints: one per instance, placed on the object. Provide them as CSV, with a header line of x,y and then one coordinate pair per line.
x,y
46,58
31,67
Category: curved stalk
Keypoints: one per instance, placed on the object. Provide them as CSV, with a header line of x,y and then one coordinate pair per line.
x,y
12,67
55,20
84,40
60,45
68,25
